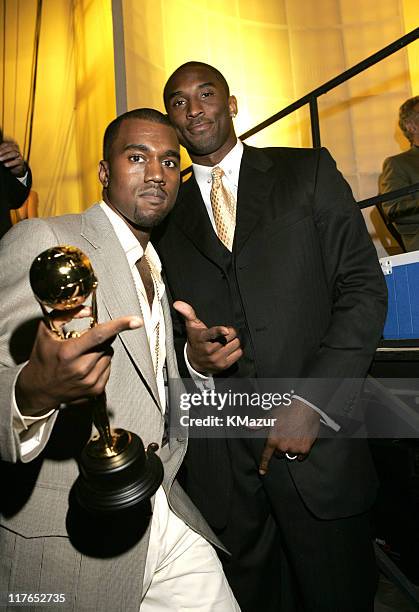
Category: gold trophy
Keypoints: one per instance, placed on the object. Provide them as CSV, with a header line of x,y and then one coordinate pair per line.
x,y
116,472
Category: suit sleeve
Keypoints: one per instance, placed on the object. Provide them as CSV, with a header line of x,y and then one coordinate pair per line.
x,y
358,292
19,319
395,177
14,191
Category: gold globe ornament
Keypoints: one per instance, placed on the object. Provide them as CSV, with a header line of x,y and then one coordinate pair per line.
x,y
116,473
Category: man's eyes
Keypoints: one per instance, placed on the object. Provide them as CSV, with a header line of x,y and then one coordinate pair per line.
x,y
170,163
203,94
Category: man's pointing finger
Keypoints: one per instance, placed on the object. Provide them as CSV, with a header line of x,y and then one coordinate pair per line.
x,y
187,311
103,332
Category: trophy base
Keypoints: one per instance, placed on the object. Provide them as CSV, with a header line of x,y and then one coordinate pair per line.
x,y
121,439
117,482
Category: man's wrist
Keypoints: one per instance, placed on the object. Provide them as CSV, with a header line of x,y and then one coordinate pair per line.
x,y
30,402
191,364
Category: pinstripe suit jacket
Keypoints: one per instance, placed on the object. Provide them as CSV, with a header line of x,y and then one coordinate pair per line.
x,y
313,298
36,554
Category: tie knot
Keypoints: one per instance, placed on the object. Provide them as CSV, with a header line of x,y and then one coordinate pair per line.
x,y
217,173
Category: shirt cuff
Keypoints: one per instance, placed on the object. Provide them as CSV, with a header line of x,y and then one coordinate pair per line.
x,y
23,179
324,418
32,431
202,381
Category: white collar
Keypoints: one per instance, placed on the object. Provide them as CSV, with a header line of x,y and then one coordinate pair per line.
x,y
230,164
132,248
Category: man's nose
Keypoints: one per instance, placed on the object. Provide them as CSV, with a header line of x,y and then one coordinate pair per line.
x,y
154,172
194,108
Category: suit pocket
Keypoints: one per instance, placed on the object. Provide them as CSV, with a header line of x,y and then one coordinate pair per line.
x,y
44,514
286,221
43,566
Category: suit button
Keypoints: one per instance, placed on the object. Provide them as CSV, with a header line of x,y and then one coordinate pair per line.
x,y
181,440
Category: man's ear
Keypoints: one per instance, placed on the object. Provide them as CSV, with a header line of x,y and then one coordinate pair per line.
x,y
232,106
104,173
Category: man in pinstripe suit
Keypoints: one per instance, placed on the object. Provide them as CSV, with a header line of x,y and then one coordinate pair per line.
x,y
172,564
299,282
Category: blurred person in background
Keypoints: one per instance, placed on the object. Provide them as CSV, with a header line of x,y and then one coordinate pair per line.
x,y
400,171
15,181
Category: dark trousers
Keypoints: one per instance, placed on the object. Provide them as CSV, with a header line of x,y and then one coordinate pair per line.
x,y
284,559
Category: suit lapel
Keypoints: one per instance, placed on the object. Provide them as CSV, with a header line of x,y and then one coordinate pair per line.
x,y
192,218
117,292
172,369
255,186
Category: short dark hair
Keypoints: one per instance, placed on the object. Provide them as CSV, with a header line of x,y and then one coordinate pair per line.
x,y
406,112
216,72
146,114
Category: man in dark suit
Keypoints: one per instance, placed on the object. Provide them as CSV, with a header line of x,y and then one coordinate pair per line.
x,y
297,293
15,181
402,170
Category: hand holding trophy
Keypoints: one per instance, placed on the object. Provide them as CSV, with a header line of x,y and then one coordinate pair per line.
x,y
115,471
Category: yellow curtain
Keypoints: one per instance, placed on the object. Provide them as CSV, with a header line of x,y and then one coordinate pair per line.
x,y
271,52
95,104
75,95
411,20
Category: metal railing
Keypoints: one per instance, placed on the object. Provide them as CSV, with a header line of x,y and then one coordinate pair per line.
x,y
312,97
390,195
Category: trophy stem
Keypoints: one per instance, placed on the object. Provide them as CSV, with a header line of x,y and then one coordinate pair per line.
x,y
101,421
94,318
106,446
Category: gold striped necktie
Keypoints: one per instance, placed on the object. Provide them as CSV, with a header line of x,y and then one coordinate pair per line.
x,y
223,206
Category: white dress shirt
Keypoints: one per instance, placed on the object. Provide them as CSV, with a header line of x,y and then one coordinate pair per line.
x,y
174,551
153,318
23,179
231,168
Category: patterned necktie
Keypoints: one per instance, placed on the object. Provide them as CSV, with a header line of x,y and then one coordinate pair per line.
x,y
223,207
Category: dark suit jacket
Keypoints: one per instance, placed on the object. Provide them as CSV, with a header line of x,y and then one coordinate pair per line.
x,y
400,171
311,288
12,195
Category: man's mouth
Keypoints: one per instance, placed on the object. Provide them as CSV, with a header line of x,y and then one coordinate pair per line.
x,y
155,196
199,127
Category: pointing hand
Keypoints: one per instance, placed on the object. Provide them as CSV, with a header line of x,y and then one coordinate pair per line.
x,y
210,349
